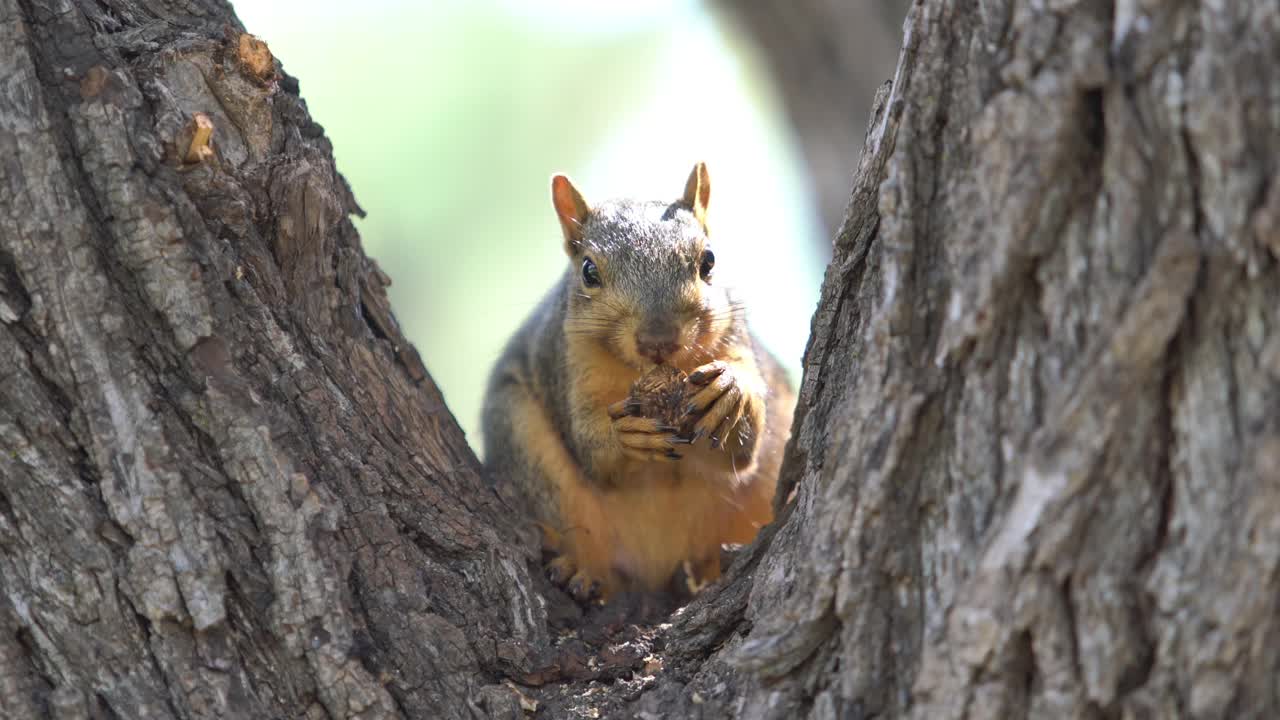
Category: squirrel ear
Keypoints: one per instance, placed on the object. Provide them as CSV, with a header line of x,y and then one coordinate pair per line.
x,y
697,191
572,211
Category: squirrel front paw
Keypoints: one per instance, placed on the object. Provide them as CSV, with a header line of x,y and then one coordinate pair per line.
x,y
643,438
719,402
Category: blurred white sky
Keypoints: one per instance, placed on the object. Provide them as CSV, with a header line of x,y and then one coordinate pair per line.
x,y
709,103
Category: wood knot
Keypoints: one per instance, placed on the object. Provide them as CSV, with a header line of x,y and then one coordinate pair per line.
x,y
200,130
255,58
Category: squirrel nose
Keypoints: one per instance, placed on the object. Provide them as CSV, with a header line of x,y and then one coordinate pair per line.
x,y
656,346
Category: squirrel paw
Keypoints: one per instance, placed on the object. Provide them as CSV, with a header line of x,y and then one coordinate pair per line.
x,y
720,402
564,573
644,438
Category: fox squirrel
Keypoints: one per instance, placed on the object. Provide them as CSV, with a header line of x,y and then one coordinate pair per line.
x,y
626,495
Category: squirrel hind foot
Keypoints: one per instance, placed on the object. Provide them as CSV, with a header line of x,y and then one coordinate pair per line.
x,y
564,573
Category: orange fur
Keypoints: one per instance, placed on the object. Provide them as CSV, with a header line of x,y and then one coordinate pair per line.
x,y
658,517
645,518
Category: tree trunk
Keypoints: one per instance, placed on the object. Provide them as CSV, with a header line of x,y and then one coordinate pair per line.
x,y
1036,458
827,57
229,488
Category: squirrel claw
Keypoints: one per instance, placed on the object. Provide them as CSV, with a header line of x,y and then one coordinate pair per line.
x,y
626,407
560,570
583,588
710,371
720,382
647,440
723,410
564,573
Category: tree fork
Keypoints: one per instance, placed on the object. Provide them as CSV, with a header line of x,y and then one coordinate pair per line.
x,y
1036,459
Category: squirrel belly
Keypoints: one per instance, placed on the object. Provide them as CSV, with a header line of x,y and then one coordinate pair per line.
x,y
661,518
625,498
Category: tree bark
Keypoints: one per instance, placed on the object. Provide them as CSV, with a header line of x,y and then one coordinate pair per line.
x,y
229,488
1035,463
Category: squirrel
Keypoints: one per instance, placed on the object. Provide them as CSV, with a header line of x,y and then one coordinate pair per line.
x,y
625,501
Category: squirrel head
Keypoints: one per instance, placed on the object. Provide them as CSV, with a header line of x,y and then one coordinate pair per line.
x,y
642,275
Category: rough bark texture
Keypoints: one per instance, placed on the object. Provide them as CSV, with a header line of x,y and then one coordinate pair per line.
x,y
1036,456
229,489
1036,448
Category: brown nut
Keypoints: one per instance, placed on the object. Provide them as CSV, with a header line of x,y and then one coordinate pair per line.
x,y
661,394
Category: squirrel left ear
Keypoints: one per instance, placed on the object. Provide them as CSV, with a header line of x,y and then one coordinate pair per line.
x,y
572,211
697,191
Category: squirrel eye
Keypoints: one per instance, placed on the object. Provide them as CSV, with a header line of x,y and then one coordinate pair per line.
x,y
708,262
590,274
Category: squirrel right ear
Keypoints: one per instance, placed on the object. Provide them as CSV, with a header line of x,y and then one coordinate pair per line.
x,y
697,191
572,211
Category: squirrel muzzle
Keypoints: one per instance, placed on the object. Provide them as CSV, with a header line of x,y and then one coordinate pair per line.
x,y
658,342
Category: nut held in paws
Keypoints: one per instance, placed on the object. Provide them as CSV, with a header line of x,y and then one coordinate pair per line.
x,y
661,394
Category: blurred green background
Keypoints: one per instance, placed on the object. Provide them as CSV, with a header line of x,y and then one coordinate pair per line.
x,y
448,118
